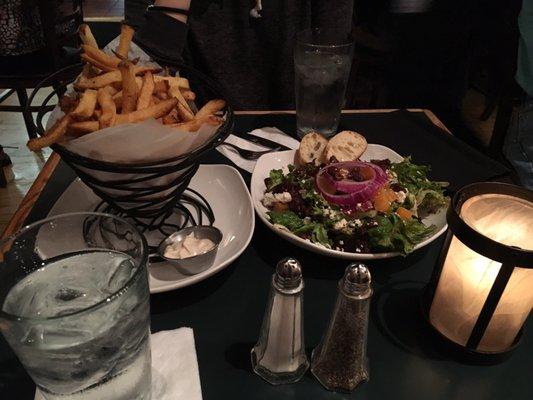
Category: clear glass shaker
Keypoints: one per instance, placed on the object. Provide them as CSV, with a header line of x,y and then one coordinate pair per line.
x,y
279,355
339,362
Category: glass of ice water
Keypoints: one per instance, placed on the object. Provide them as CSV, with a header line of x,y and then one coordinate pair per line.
x,y
75,306
322,62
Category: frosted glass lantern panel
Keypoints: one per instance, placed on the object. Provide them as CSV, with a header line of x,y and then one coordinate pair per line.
x,y
467,276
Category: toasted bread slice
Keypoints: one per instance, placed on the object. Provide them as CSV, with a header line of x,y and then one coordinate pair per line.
x,y
345,146
312,148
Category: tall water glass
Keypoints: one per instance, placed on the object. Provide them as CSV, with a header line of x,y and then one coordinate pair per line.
x,y
75,304
322,61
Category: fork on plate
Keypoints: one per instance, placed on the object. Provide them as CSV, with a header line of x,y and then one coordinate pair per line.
x,y
249,154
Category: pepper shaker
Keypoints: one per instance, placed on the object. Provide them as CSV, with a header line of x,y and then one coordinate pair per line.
x,y
339,362
279,355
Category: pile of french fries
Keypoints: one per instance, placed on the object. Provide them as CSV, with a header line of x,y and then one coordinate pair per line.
x,y
114,90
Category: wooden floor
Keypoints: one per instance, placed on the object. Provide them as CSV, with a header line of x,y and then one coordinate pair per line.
x,y
26,165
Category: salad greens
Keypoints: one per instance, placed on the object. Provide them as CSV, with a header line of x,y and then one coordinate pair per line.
x,y
422,193
362,229
392,232
299,226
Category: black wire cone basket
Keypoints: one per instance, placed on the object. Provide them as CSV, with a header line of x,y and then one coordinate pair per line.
x,y
147,192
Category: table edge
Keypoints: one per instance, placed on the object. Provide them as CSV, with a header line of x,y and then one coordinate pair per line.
x,y
27,203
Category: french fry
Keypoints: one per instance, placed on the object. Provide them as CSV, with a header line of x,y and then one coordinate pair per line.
x,y
51,136
184,114
130,90
109,78
171,118
86,106
100,56
96,63
155,111
109,110
156,100
175,91
86,71
97,113
145,95
117,99
86,36
126,34
83,127
214,120
210,108
117,85
189,95
111,90
182,83
160,86
162,95
69,102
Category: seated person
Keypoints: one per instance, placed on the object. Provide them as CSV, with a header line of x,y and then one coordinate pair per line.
x,y
247,47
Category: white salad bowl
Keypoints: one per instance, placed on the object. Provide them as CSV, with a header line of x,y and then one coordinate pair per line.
x,y
282,159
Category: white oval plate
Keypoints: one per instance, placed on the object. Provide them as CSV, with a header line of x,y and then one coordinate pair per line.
x,y
223,188
281,160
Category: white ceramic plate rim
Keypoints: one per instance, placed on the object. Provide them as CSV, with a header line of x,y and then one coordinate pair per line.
x,y
187,280
257,190
213,270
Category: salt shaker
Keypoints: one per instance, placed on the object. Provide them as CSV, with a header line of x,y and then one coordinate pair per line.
x,y
339,362
279,355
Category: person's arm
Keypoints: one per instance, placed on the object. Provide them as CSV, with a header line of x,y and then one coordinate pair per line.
x,y
164,34
181,4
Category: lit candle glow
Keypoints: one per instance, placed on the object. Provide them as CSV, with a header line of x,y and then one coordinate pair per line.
x,y
467,277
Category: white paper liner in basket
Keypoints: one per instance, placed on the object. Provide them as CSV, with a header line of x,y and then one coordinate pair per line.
x,y
147,141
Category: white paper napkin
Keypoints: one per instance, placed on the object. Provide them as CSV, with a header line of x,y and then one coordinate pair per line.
x,y
273,134
175,373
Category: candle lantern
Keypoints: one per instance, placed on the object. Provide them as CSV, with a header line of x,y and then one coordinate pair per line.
x,y
480,293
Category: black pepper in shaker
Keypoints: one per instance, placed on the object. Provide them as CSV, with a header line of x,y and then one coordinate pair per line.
x,y
339,362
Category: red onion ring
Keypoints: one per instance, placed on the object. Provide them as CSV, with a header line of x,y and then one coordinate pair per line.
x,y
352,192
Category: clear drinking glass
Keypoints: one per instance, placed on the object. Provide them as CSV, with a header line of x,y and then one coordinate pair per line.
x,y
75,305
322,62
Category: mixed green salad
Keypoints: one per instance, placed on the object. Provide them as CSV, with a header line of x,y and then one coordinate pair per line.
x,y
360,207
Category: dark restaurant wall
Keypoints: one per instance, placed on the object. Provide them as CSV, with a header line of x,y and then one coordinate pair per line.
x,y
432,59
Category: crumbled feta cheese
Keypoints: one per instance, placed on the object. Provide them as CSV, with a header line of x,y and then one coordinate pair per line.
x,y
340,225
271,198
401,196
393,177
355,223
341,242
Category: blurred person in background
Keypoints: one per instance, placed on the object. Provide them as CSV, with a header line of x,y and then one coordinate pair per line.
x,y
518,147
245,45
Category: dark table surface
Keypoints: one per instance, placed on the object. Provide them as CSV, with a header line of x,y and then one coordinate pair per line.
x,y
226,311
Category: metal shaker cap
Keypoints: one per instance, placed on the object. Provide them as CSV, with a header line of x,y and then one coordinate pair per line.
x,y
357,279
288,273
